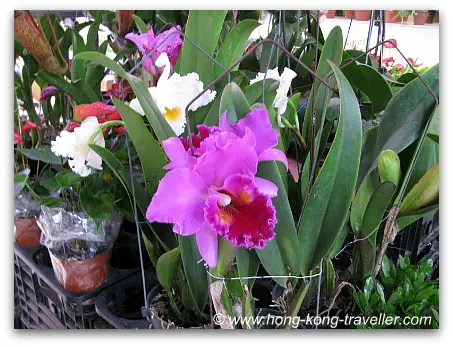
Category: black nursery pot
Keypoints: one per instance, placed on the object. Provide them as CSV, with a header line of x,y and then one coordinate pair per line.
x,y
126,253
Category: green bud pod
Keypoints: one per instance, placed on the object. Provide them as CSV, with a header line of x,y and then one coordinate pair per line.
x,y
423,193
389,167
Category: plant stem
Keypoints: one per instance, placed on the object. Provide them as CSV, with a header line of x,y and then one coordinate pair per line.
x,y
297,303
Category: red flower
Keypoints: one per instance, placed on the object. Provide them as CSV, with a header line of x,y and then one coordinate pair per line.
x,y
71,125
95,109
28,126
114,116
115,91
413,63
390,44
121,129
17,138
388,61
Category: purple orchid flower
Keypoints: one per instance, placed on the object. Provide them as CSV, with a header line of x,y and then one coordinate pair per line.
x,y
216,191
147,42
48,92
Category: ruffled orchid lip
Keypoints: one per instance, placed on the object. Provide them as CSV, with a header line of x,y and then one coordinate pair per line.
x,y
240,213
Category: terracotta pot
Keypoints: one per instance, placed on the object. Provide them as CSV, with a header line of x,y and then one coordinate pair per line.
x,y
330,13
436,17
420,18
26,232
348,13
362,15
82,275
392,16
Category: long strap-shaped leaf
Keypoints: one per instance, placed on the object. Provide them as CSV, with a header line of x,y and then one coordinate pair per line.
x,y
327,206
332,51
150,153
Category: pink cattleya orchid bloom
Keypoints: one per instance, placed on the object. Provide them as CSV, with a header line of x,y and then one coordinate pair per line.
x,y
391,44
147,42
216,191
17,138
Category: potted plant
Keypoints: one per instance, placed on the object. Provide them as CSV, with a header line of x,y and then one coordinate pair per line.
x,y
392,16
420,17
362,15
348,13
331,13
26,210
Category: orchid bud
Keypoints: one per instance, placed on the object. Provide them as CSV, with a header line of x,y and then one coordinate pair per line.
x,y
124,21
27,32
389,167
423,193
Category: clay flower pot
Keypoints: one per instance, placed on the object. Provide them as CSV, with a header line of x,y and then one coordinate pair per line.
x,y
330,13
82,275
362,15
26,232
392,16
420,18
436,17
348,13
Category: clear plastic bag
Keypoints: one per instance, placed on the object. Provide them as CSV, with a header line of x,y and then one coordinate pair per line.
x,y
80,253
26,206
26,230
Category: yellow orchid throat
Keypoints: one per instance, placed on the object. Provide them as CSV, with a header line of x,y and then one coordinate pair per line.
x,y
172,114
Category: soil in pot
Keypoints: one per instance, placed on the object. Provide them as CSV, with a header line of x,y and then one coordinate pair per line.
x,y
165,318
77,270
26,232
420,18
362,15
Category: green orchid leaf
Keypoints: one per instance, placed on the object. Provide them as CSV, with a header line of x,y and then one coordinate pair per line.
x,y
149,151
403,121
330,197
43,154
333,51
167,268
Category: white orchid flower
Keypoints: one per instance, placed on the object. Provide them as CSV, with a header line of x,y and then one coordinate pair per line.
x,y
281,99
75,146
173,93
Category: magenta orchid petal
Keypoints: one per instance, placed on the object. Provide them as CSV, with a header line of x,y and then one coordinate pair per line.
x,y
152,47
274,154
178,155
249,220
207,243
266,187
179,200
142,41
226,154
259,123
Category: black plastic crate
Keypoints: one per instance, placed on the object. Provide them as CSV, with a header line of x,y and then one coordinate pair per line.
x,y
36,281
121,304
